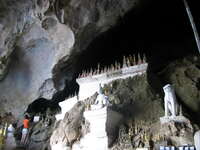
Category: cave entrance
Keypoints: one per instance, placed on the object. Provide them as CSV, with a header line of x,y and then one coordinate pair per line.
x,y
40,106
161,30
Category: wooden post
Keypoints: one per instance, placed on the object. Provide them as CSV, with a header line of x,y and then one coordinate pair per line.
x,y
192,24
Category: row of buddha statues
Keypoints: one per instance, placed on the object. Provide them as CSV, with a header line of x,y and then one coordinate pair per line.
x,y
128,61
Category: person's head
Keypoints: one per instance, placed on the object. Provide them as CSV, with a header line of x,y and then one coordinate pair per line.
x,y
26,117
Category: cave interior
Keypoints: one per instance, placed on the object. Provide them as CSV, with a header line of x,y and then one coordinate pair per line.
x,y
160,30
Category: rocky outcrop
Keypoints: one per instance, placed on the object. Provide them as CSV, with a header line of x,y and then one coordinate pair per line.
x,y
70,129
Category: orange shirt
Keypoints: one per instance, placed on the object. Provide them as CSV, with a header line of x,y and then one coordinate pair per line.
x,y
26,123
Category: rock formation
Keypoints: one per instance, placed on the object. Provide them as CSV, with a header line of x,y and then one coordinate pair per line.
x,y
70,128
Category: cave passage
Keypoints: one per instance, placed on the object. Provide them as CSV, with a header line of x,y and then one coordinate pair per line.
x,y
161,30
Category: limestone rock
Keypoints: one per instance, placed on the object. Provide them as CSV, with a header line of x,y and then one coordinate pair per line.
x,y
69,129
178,132
37,51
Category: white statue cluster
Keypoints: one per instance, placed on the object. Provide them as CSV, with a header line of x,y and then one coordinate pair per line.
x,y
171,105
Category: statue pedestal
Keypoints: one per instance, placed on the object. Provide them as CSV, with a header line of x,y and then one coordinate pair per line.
x,y
96,139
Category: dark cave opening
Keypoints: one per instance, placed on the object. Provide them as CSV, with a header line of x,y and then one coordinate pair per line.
x,y
40,106
161,30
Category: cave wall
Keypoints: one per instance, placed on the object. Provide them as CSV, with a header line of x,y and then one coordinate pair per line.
x,y
35,48
37,52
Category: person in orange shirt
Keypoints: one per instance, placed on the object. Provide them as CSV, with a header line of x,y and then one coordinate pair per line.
x,y
25,129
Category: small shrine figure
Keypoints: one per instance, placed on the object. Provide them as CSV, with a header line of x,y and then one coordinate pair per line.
x,y
124,62
91,72
116,66
144,60
139,59
131,60
128,62
105,70
95,72
134,60
98,68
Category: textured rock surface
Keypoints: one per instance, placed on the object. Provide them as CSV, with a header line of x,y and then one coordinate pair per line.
x,y
35,49
37,52
70,128
132,100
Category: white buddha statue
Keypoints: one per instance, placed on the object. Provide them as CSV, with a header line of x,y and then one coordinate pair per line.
x,y
101,100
